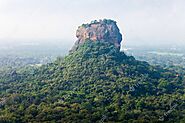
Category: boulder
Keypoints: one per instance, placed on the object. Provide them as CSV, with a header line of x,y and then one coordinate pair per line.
x,y
102,30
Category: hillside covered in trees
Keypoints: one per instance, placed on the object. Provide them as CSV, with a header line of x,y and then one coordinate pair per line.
x,y
95,82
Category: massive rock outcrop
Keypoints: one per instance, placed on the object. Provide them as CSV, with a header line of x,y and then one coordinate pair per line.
x,y
102,30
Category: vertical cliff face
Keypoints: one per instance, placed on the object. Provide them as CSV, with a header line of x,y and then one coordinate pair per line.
x,y
102,30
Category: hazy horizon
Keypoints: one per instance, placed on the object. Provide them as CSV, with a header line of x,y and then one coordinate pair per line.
x,y
141,22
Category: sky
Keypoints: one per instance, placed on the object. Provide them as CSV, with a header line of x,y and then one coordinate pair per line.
x,y
140,21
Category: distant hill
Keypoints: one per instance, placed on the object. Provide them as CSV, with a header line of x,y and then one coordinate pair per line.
x,y
94,83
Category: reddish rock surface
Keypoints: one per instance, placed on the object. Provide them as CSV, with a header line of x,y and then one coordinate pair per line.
x,y
103,30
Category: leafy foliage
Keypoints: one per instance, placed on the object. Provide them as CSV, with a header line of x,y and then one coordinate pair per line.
x,y
95,83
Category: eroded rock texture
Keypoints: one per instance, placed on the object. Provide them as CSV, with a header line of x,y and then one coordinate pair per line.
x,y
102,30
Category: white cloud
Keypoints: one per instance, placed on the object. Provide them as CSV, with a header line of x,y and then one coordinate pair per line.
x,y
139,20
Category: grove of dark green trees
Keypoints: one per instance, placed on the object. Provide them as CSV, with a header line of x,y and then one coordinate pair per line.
x,y
96,83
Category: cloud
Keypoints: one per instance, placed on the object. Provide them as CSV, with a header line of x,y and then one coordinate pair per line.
x,y
141,21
